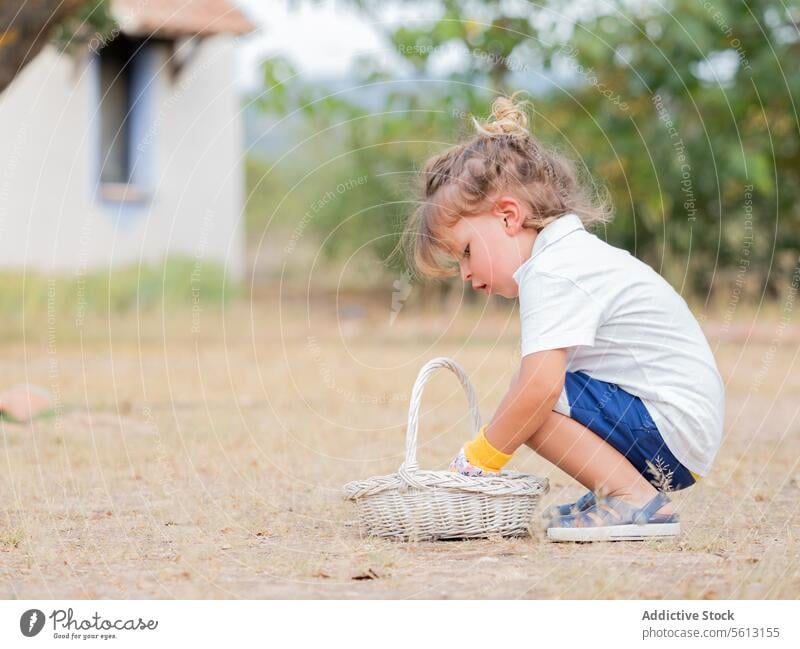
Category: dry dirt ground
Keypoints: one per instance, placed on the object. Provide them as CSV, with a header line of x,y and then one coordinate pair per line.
x,y
202,456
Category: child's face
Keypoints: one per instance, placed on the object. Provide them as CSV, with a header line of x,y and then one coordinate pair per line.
x,y
492,246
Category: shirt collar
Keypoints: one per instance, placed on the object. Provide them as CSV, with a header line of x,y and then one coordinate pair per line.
x,y
548,235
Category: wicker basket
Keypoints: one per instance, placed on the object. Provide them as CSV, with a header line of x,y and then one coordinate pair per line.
x,y
426,505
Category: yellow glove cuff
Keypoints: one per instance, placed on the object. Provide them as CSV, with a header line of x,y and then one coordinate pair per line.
x,y
481,454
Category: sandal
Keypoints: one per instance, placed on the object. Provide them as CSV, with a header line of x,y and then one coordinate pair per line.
x,y
583,503
619,521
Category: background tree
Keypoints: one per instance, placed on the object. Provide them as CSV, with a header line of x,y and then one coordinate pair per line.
x,y
686,115
26,27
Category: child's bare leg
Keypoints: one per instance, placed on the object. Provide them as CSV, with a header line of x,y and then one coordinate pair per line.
x,y
592,461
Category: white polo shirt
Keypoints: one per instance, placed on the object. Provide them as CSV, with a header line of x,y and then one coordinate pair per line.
x,y
624,324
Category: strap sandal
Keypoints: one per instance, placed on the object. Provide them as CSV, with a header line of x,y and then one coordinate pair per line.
x,y
583,503
611,519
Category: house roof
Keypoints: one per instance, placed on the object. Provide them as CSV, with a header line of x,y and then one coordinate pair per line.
x,y
176,18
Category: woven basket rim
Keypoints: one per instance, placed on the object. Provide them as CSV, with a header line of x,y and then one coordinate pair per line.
x,y
508,483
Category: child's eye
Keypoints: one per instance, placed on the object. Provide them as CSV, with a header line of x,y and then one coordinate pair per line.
x,y
466,251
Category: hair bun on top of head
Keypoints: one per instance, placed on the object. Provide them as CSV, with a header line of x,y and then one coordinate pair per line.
x,y
508,118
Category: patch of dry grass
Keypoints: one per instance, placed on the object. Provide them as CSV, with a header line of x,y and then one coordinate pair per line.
x,y
208,464
11,538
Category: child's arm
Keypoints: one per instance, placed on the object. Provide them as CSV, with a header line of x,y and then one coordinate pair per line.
x,y
526,405
529,401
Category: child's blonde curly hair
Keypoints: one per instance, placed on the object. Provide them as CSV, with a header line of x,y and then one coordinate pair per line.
x,y
463,181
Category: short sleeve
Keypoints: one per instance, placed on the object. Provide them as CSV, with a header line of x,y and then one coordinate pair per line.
x,y
555,312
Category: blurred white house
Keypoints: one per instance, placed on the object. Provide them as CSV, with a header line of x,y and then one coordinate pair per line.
x,y
129,150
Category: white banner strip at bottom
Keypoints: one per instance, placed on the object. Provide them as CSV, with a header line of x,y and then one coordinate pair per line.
x,y
402,624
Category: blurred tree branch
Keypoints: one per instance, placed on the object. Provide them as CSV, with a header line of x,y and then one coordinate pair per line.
x,y
26,27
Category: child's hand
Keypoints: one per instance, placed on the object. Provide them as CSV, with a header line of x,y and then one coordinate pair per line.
x,y
461,465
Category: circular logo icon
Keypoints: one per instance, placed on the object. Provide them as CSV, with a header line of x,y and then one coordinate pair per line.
x,y
31,622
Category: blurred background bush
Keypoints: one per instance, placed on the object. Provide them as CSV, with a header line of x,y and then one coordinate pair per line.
x,y
682,111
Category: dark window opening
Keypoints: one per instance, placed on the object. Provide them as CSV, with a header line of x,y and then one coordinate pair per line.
x,y
125,79
117,60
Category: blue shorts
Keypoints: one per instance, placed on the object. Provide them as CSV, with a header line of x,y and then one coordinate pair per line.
x,y
622,420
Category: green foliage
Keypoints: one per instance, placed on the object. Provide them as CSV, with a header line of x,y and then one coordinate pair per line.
x,y
681,193
178,281
685,112
92,20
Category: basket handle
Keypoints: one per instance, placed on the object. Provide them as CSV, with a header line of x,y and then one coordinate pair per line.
x,y
410,465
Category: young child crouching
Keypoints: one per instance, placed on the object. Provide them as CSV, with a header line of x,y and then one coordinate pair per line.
x,y
617,385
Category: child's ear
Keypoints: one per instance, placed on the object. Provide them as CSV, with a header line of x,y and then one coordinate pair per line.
x,y
510,211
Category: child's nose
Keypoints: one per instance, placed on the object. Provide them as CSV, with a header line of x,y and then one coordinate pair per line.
x,y
466,273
